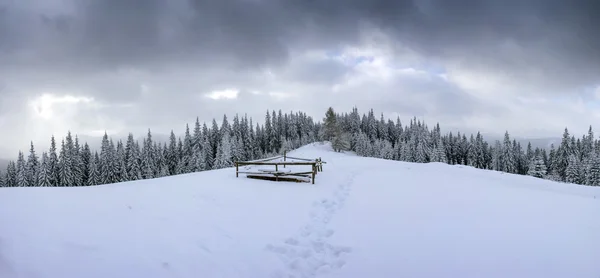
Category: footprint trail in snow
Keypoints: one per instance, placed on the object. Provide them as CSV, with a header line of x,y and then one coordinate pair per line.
x,y
308,253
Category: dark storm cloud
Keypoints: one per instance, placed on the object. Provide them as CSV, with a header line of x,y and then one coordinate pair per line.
x,y
315,71
556,38
544,42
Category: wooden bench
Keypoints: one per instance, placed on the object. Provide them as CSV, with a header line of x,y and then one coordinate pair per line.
x,y
316,165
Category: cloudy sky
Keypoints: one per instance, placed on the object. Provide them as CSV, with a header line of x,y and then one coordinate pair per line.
x,y
528,66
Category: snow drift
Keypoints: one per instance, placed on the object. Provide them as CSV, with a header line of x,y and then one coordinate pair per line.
x,y
364,217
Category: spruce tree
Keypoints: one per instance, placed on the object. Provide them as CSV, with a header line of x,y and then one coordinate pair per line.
x,y
119,163
32,166
387,151
3,182
537,168
164,170
53,164
86,155
11,174
123,175
573,171
197,137
187,152
406,152
207,148
214,139
330,125
274,136
361,144
22,178
180,169
236,129
247,139
134,163
529,155
65,175
340,141
78,166
148,163
594,172
223,159
70,161
200,157
421,146
43,178
104,167
509,163
237,151
255,149
287,146
562,156
131,157
94,173
438,153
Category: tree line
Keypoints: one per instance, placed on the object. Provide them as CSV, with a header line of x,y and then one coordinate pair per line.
x,y
203,148
573,161
200,149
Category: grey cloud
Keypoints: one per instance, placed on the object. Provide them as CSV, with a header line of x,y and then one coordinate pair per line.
x,y
554,43
309,71
556,38
409,96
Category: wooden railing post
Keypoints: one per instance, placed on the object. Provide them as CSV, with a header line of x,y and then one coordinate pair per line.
x,y
236,169
284,157
313,173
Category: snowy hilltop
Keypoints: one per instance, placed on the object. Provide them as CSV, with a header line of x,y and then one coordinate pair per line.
x,y
365,217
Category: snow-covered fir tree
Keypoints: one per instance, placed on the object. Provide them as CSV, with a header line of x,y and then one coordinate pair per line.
x,y
341,141
32,166
78,166
223,159
173,154
438,154
330,125
53,163
106,166
22,178
537,167
187,152
70,161
86,155
11,174
593,178
573,171
147,159
563,153
94,173
361,145
64,169
508,161
43,178
3,182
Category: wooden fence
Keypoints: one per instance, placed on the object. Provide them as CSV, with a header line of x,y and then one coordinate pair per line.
x,y
277,175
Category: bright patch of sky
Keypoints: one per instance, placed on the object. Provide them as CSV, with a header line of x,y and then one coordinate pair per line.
x,y
223,94
355,57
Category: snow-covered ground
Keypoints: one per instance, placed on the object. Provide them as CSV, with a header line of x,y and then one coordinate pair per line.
x,y
364,217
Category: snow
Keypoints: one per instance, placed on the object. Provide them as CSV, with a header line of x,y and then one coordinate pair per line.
x,y
364,217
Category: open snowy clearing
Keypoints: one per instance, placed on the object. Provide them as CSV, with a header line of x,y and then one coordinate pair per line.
x,y
364,217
